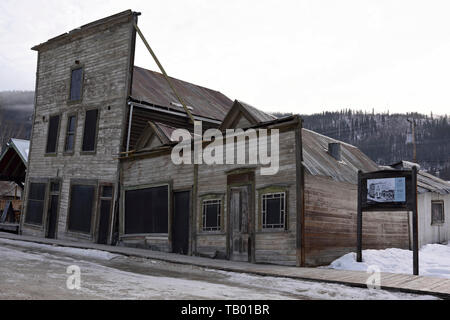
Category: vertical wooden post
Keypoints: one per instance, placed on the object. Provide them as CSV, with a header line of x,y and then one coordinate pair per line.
x,y
300,196
415,223
359,221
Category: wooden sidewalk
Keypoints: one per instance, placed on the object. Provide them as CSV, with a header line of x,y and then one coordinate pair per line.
x,y
389,281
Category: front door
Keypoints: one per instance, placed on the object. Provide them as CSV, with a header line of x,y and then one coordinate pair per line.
x,y
104,211
180,224
239,238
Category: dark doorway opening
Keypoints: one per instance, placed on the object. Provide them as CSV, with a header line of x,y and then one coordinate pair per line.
x,y
180,225
52,212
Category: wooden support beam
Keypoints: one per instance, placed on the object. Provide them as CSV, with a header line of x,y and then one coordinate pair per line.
x,y
188,112
415,223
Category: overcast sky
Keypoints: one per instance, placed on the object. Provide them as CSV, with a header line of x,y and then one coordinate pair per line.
x,y
292,56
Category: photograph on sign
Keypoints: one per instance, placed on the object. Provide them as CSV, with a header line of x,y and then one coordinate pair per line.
x,y
386,190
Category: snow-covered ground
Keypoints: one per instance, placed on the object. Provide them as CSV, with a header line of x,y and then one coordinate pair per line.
x,y
37,271
434,260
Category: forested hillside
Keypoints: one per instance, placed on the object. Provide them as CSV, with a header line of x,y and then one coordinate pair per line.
x,y
385,137
16,110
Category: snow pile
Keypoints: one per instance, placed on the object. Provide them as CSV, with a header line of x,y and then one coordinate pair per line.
x,y
85,253
434,260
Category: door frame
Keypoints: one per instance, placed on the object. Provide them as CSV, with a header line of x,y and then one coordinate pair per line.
x,y
98,210
190,218
48,198
249,180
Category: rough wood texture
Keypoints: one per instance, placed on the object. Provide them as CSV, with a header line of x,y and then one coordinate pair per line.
x,y
104,53
330,222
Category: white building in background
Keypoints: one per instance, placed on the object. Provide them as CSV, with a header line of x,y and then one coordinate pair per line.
x,y
433,202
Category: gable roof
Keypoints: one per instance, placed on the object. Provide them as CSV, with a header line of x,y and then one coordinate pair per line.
x,y
252,114
14,161
160,131
151,87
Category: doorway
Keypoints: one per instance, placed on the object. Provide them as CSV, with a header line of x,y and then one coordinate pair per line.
x,y
240,245
52,212
180,224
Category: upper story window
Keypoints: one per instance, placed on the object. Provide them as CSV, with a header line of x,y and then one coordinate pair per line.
x,y
90,131
70,133
76,84
437,212
52,135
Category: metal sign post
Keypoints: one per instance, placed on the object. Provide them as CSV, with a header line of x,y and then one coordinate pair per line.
x,y
388,190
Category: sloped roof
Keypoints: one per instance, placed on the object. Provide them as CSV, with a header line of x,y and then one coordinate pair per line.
x,y
425,182
14,161
317,160
252,114
151,87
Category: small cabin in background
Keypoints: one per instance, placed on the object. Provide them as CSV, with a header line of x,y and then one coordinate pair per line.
x,y
433,201
13,164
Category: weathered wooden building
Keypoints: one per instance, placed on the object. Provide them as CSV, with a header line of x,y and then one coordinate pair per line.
x,y
100,166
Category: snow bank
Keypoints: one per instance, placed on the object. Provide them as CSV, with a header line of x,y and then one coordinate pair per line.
x,y
86,253
434,260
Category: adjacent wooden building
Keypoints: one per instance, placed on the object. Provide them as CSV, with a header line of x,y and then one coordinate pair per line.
x,y
100,166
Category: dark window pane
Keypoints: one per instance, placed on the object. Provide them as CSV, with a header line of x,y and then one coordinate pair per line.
x,y
80,212
70,141
146,210
211,215
35,205
273,211
37,191
107,191
54,186
437,212
71,124
90,130
52,134
75,84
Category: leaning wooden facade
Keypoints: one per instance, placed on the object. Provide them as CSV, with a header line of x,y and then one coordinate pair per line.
x,y
100,166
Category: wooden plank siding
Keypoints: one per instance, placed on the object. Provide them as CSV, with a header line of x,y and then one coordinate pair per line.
x,y
143,172
330,222
104,53
213,179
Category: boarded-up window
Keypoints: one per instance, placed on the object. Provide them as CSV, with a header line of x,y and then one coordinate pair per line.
x,y
35,205
81,205
211,215
437,212
52,134
76,84
147,210
274,210
70,133
90,130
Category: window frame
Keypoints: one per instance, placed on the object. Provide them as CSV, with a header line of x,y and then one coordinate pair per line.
x,y
75,67
82,182
205,204
212,197
440,222
97,125
270,190
31,181
122,211
52,154
71,152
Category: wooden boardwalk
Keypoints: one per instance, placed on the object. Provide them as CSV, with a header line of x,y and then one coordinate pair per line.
x,y
389,281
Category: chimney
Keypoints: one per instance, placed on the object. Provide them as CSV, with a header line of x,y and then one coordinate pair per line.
x,y
334,149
